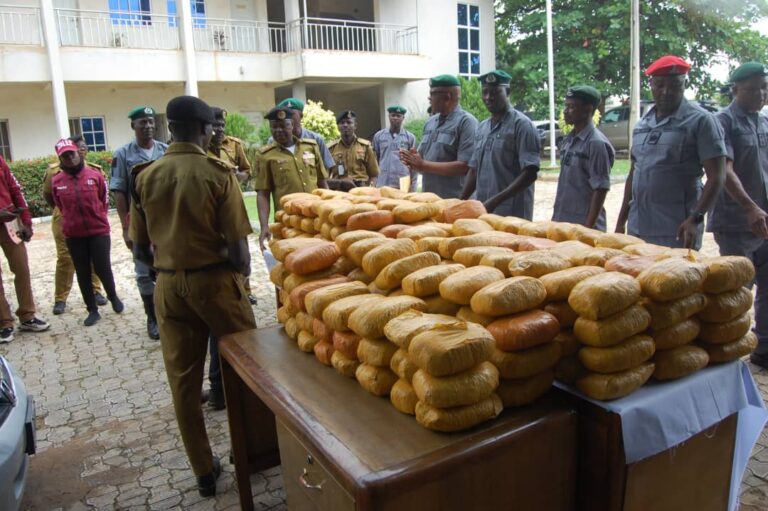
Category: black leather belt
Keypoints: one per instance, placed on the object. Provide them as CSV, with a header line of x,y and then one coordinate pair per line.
x,y
210,267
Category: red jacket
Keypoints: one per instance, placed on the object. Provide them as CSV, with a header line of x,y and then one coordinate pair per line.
x,y
10,193
83,201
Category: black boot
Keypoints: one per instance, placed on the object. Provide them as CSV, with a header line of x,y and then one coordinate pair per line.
x,y
149,309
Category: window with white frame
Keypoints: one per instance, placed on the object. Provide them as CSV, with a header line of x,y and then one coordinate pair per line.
x,y
93,130
130,12
5,142
198,13
469,39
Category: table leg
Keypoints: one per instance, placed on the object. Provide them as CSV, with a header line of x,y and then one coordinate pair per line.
x,y
235,391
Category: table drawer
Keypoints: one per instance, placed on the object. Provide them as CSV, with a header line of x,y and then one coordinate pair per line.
x,y
308,484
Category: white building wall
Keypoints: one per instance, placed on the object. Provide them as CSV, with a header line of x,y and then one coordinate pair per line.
x,y
28,109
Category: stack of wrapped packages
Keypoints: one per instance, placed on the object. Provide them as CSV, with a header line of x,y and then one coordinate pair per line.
x,y
453,312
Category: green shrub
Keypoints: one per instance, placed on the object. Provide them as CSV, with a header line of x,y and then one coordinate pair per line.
x,y
416,126
240,127
321,121
565,129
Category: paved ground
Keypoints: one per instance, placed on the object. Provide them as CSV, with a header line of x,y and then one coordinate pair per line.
x,y
106,430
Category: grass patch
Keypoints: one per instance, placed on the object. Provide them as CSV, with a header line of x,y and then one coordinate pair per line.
x,y
253,211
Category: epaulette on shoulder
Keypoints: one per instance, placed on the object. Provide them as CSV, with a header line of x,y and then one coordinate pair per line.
x,y
54,165
234,139
309,141
334,143
136,169
267,148
363,141
94,166
221,164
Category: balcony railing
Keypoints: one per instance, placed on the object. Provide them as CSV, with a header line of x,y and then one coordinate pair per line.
x,y
20,25
239,36
115,29
358,36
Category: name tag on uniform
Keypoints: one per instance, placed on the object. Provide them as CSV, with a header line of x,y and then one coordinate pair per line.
x,y
653,137
567,158
308,157
90,182
762,139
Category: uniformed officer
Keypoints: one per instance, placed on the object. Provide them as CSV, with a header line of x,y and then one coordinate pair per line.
x,y
354,156
448,142
288,165
663,196
387,144
585,163
505,161
144,148
189,221
65,270
297,114
738,218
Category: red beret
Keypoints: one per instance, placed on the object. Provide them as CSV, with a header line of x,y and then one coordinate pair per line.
x,y
668,65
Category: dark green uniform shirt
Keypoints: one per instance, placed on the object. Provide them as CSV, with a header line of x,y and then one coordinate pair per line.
x,y
358,159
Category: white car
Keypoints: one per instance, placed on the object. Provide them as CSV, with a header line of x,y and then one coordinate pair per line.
x,y
17,436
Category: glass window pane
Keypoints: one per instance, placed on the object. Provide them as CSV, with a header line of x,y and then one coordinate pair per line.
x,y
462,14
474,38
85,122
463,63
474,16
171,6
463,43
145,7
88,139
99,137
98,124
475,57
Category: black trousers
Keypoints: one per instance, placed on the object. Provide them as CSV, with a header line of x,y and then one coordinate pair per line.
x,y
92,250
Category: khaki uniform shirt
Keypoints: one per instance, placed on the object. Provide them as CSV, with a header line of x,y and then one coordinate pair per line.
x,y
189,206
281,171
358,159
52,170
232,152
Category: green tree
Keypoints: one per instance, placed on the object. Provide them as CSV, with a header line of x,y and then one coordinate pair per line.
x,y
591,42
472,98
321,121
239,126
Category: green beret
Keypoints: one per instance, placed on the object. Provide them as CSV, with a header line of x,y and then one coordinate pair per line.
x,y
397,109
585,93
188,109
444,81
346,114
140,112
279,113
495,77
748,70
292,103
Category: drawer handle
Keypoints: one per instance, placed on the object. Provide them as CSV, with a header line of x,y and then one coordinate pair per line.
x,y
306,484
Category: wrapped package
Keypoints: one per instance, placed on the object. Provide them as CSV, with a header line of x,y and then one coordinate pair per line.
x,y
376,380
401,329
307,341
370,220
459,287
322,331
323,352
285,199
339,216
572,249
449,420
294,280
726,306
560,283
346,343
720,353
278,273
585,235
509,296
308,225
727,273
605,387
282,248
366,190
426,281
471,256
423,231
429,244
391,203
304,321
337,231
536,264
465,388
301,291
379,257
344,241
336,315
595,257
292,328
357,250
671,279
630,264
444,204
526,363
666,314
510,224
283,314
613,329
565,315
402,365
375,352
627,354
344,265
569,344
275,229
359,275
524,330
394,230
317,300
676,335
616,240
392,193
603,295
423,197
529,244
525,390
447,350
369,321
560,231
449,246
325,231
411,213
403,397
646,249
373,288
569,369
467,226
464,209
537,229
467,314
492,219
679,362
499,260
436,304
392,274
721,333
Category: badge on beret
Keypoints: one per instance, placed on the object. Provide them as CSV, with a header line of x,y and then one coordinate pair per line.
x,y
490,78
148,111
281,115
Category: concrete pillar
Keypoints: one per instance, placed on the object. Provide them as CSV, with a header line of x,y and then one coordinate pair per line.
x,y
51,36
391,92
299,90
184,10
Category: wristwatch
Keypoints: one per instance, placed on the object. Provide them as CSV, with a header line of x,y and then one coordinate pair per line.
x,y
697,217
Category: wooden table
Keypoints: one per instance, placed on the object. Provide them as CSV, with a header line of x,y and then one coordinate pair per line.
x,y
343,448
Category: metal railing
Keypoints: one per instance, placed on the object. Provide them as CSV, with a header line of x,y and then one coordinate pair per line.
x,y
240,36
115,29
357,36
20,25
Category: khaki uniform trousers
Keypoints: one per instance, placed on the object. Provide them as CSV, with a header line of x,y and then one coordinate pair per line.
x,y
19,264
189,305
65,269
